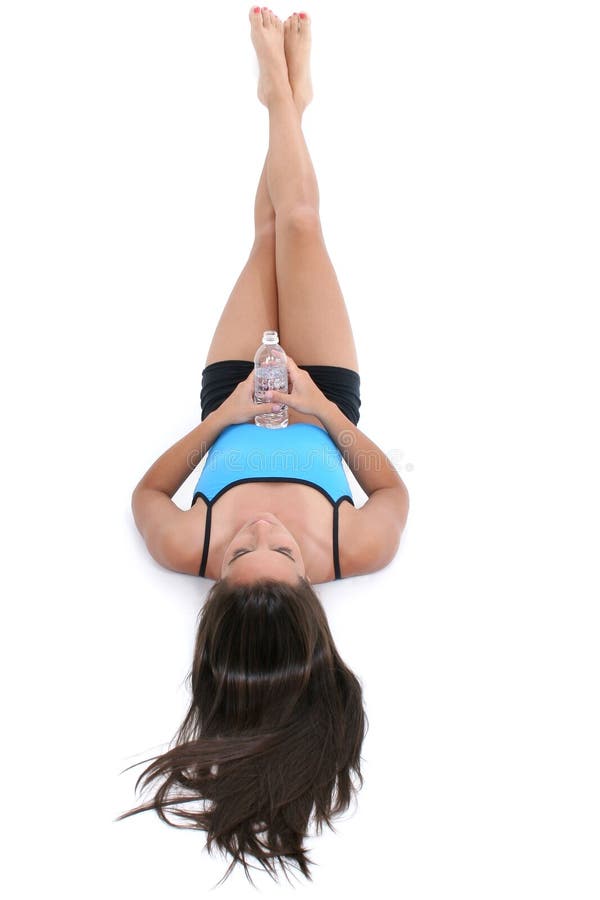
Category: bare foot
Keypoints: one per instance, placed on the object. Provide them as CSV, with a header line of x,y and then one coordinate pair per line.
x,y
297,40
267,36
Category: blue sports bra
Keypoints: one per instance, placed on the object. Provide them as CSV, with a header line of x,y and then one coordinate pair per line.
x,y
301,453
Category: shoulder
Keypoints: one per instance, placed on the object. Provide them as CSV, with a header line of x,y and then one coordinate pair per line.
x,y
174,537
369,536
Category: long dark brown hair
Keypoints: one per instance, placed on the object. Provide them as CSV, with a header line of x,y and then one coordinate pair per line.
x,y
274,729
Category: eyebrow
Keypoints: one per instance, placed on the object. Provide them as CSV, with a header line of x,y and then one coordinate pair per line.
x,y
274,549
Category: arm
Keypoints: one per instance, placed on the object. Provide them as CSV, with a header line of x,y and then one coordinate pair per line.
x,y
171,535
171,469
376,529
373,533
369,465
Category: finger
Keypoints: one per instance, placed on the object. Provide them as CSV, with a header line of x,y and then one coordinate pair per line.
x,y
276,396
260,408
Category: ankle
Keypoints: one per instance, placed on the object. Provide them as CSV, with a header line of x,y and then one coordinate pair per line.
x,y
280,94
300,105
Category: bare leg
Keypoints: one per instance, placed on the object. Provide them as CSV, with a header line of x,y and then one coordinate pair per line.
x,y
313,320
299,295
252,304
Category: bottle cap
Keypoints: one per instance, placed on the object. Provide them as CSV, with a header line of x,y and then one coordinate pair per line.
x,y
270,337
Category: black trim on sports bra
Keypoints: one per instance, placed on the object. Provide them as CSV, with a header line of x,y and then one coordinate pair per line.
x,y
210,504
336,549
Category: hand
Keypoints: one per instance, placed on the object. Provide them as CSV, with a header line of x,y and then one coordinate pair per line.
x,y
240,406
304,395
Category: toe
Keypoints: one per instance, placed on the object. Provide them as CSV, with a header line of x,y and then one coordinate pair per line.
x,y
254,15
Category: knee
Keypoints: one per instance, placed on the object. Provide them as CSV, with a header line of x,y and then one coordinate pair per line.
x,y
301,219
264,232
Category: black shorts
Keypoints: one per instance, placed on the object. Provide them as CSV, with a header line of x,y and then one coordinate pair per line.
x,y
340,385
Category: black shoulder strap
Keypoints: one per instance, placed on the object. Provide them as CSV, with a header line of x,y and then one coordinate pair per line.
x,y
336,550
336,531
206,539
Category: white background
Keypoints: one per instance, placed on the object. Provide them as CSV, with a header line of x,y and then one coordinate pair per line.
x,y
456,147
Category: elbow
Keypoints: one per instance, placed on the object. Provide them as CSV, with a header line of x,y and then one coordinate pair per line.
x,y
141,486
403,504
406,497
135,503
134,496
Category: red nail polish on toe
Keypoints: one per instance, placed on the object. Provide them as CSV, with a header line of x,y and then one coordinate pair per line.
x,y
302,15
256,9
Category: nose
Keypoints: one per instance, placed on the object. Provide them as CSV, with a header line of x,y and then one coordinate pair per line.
x,y
263,518
262,528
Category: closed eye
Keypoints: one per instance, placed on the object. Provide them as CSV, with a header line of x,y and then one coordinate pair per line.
x,y
285,551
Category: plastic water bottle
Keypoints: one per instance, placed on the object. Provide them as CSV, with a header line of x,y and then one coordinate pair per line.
x,y
270,374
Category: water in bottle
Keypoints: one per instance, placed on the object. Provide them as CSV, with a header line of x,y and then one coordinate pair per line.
x,y
270,374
